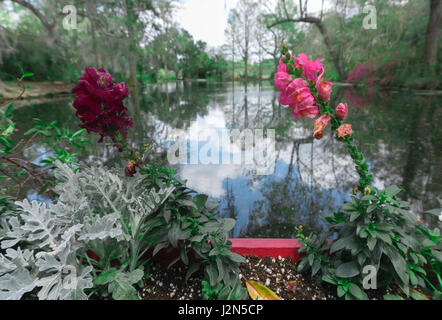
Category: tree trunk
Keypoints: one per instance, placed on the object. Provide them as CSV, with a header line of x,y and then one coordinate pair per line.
x,y
50,26
432,35
131,20
166,70
246,62
322,29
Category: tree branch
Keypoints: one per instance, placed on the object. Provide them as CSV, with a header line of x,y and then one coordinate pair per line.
x,y
318,22
37,13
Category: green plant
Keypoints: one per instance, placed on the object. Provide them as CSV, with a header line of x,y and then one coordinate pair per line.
x,y
100,228
101,224
60,140
376,229
13,163
7,127
221,292
188,222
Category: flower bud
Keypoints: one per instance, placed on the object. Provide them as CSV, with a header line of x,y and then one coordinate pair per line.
x,y
367,191
323,87
355,190
344,131
341,111
320,124
130,169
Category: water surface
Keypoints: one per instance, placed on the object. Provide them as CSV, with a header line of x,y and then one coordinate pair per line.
x,y
399,133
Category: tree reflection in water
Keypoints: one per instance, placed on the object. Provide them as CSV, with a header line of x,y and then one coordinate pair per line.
x,y
398,132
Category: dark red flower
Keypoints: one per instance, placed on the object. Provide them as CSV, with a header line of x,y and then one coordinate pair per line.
x,y
130,169
99,104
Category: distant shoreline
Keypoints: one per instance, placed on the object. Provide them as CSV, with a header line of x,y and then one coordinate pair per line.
x,y
47,89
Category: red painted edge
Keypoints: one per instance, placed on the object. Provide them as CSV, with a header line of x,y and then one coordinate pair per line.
x,y
262,248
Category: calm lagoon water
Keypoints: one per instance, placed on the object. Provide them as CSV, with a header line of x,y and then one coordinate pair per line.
x,y
398,132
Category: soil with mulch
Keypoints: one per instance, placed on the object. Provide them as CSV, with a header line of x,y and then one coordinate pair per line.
x,y
278,274
169,284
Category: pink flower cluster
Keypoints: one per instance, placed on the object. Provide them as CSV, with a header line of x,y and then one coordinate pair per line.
x,y
99,104
296,92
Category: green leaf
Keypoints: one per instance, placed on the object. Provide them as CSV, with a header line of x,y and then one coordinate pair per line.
x,y
369,197
9,110
347,270
384,237
407,215
316,266
236,257
311,259
200,201
78,133
31,131
184,257
166,215
437,254
192,269
221,271
436,212
212,273
187,203
158,248
354,215
211,204
302,264
341,291
106,277
27,75
413,278
228,224
371,243
173,262
371,208
391,191
5,142
356,291
398,262
328,279
340,244
348,206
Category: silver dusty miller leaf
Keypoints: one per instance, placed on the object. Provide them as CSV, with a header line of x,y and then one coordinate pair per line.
x,y
15,284
90,206
107,226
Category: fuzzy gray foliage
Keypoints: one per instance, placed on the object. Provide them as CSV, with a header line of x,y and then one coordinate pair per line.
x,y
41,244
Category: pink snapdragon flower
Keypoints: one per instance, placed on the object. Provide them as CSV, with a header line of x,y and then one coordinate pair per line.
x,y
309,68
324,87
282,67
344,131
283,98
300,99
305,112
320,124
282,80
341,111
300,60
